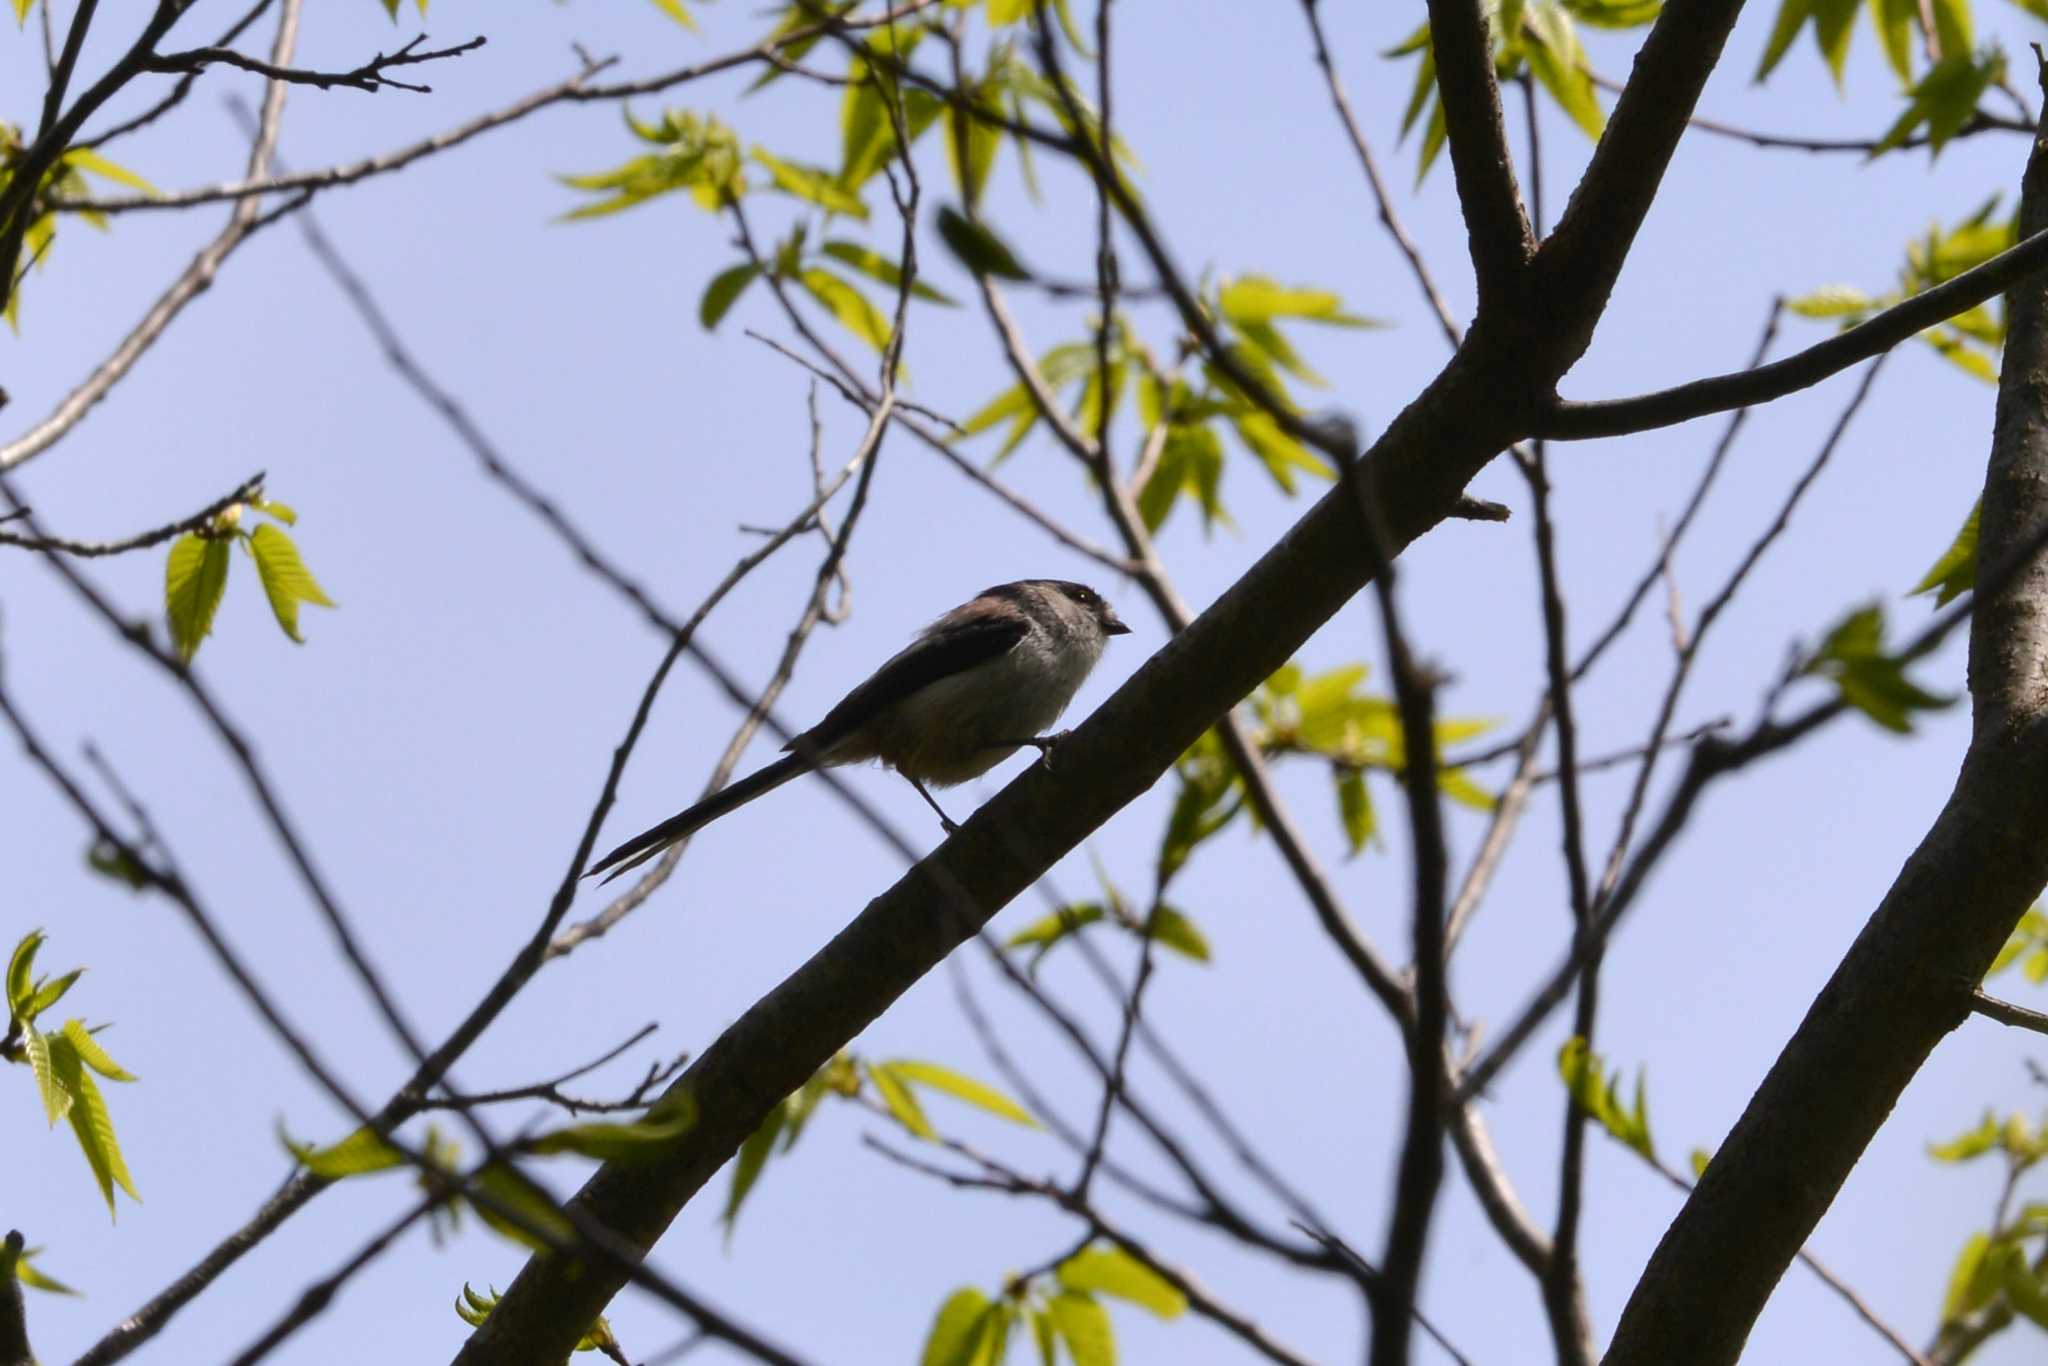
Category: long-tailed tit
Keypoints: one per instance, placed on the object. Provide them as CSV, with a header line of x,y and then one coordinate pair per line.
x,y
976,685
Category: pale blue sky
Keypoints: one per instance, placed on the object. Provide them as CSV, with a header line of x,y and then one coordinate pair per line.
x,y
441,736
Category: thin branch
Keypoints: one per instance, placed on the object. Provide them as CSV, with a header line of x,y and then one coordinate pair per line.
x,y
316,1297
2006,1013
179,91
1569,421
577,88
1979,122
248,489
368,77
1417,267
246,220
1340,1248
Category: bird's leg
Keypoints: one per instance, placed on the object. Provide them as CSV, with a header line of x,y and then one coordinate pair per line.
x,y
931,801
1044,744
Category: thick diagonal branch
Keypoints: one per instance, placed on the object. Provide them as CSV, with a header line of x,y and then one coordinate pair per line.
x,y
1908,978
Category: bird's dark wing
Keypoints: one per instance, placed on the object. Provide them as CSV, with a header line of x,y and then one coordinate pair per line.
x,y
953,644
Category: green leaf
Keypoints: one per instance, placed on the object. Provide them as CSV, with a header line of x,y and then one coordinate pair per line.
x,y
1833,22
957,1333
34,1279
1955,573
1084,1326
1280,453
1175,931
22,7
1598,1095
359,1154
91,1124
85,159
848,305
1354,805
21,967
867,132
1257,299
724,291
1969,1287
981,139
56,1099
753,1156
1049,930
698,155
1894,21
1832,301
674,10
48,994
1109,1270
876,266
1870,680
1975,1143
1203,806
1944,100
473,1308
286,580
90,1052
505,1186
1558,63
1792,16
270,507
951,1083
2025,1290
1699,1158
813,183
1045,1336
195,576
977,247
1952,26
1191,462
644,1141
109,859
900,1102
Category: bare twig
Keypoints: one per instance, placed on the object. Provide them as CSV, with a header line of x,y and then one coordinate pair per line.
x,y
249,488
370,76
2006,1013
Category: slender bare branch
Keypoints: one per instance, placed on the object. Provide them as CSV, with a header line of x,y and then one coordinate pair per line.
x,y
370,76
249,488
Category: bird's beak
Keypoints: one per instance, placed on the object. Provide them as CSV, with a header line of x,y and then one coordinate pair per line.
x,y
1113,624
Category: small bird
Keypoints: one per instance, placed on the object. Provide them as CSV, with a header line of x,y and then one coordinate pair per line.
x,y
976,685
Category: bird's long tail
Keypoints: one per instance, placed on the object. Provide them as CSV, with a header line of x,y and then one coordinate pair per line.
x,y
647,844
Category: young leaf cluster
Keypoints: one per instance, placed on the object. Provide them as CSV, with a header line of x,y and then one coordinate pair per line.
x,y
1971,340
1939,28
512,1205
893,1084
63,1064
1327,716
473,1308
1183,420
2027,948
196,573
2002,1271
1870,680
66,178
1599,1096
1062,1309
1163,924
